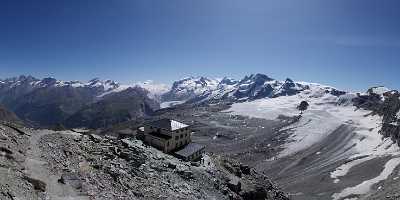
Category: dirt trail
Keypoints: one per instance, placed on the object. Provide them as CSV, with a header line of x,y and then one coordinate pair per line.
x,y
37,168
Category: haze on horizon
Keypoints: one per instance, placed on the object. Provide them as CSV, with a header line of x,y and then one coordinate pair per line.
x,y
347,44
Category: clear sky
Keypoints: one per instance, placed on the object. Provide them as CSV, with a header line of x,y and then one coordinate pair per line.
x,y
350,44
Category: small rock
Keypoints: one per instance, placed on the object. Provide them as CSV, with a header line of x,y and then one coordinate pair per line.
x,y
125,155
97,166
245,169
3,136
37,184
66,177
95,138
6,153
186,174
171,165
234,184
5,150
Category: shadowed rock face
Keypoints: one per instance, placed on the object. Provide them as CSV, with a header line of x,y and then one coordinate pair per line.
x,y
113,109
389,109
8,116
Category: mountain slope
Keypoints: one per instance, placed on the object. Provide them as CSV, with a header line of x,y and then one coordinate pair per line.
x,y
114,108
48,102
46,106
12,89
8,116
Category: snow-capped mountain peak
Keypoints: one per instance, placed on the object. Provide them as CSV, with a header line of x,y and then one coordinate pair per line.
x,y
194,83
256,78
379,90
251,87
191,87
107,85
228,81
153,87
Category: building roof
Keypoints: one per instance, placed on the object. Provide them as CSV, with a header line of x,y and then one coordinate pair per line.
x,y
189,150
168,124
159,135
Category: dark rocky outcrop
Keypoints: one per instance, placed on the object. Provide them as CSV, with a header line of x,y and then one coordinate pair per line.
x,y
386,105
37,184
289,88
248,184
389,109
253,87
303,106
71,178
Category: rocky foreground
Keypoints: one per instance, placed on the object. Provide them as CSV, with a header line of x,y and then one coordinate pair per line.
x,y
44,164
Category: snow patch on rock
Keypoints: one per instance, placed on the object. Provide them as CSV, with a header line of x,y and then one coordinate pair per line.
x,y
168,104
365,186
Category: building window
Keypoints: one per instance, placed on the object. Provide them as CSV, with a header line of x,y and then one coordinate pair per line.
x,y
181,136
176,137
168,143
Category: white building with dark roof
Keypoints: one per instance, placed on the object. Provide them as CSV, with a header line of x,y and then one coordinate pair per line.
x,y
166,134
169,136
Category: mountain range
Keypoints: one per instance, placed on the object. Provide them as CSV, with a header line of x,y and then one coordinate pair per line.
x,y
48,101
252,87
102,103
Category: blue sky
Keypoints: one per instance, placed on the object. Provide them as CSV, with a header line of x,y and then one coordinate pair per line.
x,y
350,44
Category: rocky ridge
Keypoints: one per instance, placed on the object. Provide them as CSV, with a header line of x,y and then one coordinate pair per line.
x,y
42,164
